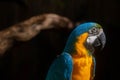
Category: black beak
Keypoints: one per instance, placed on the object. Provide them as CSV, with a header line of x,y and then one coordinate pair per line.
x,y
102,39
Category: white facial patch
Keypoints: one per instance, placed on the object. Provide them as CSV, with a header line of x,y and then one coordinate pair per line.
x,y
91,39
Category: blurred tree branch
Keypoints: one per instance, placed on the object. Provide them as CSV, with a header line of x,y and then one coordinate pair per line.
x,y
29,28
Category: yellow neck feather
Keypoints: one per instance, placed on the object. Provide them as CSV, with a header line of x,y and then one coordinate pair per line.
x,y
82,61
79,45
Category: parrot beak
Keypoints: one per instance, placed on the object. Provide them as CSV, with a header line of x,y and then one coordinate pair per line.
x,y
100,40
96,42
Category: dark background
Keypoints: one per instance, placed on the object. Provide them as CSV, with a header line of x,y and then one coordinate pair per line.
x,y
30,60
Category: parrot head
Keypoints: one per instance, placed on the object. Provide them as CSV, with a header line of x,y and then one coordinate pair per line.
x,y
95,39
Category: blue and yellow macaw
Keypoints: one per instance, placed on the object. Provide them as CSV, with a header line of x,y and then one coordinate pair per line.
x,y
77,61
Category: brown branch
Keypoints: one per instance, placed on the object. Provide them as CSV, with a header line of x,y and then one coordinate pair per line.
x,y
28,29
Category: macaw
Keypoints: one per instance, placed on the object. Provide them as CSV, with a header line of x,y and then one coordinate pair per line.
x,y
77,61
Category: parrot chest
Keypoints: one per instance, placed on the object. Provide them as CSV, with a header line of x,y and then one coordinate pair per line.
x,y
81,68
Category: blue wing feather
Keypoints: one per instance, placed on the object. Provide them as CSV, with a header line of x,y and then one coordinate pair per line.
x,y
61,68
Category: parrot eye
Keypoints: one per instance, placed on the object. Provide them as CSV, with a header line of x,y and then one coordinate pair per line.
x,y
94,31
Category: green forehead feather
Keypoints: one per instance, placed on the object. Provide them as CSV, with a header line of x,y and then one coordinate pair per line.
x,y
98,25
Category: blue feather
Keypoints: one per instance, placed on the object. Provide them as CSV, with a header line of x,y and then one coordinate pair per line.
x,y
61,68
